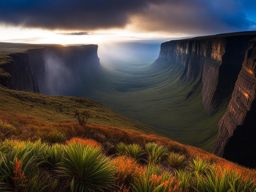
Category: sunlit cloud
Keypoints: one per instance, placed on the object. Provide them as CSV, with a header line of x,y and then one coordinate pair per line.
x,y
21,34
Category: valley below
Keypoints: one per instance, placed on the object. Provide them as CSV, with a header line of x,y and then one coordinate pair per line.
x,y
83,118
182,95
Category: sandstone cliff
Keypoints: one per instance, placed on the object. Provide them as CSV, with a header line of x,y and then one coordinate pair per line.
x,y
237,126
211,62
20,73
52,70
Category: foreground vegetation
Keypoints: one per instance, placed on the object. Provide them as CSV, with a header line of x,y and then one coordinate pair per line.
x,y
81,165
44,146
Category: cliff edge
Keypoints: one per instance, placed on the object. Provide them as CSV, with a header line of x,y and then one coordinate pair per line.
x,y
237,127
49,69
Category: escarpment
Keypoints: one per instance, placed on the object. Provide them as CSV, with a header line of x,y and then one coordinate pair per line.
x,y
53,70
236,138
20,75
212,62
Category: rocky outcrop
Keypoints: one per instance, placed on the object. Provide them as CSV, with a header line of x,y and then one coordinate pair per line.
x,y
53,70
237,126
212,62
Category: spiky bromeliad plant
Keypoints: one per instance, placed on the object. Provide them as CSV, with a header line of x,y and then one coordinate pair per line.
x,y
86,169
227,181
132,150
154,179
15,170
155,152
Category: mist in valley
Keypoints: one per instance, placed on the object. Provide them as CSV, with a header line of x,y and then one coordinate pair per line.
x,y
130,79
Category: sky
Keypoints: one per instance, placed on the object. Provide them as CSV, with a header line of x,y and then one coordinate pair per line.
x,y
97,21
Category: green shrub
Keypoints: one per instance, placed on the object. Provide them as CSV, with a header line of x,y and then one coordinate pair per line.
x,y
86,169
155,152
132,150
176,160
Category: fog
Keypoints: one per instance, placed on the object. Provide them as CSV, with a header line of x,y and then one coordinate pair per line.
x,y
58,76
128,55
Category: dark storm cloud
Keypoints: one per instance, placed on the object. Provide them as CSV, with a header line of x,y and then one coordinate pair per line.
x,y
187,16
198,16
76,14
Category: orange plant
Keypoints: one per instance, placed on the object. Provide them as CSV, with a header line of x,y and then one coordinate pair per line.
x,y
89,142
170,184
127,168
19,177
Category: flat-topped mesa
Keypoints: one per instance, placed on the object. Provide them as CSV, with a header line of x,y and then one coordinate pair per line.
x,y
49,69
213,62
236,139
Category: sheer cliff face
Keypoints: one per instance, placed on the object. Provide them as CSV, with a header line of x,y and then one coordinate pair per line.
x,y
211,62
237,127
52,70
20,74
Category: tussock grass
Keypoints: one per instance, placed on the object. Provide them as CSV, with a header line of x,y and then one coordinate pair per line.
x,y
132,150
176,160
156,153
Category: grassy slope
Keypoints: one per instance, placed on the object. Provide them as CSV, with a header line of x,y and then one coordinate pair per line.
x,y
42,113
161,102
36,116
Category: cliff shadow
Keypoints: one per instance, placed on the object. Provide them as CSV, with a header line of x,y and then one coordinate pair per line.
x,y
241,146
230,68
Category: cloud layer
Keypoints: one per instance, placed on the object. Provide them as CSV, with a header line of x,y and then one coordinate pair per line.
x,y
187,16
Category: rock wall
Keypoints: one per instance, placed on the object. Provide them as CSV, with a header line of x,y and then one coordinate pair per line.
x,y
237,126
212,62
20,73
52,70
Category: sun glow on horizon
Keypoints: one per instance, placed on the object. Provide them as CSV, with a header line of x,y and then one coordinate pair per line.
x,y
19,34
